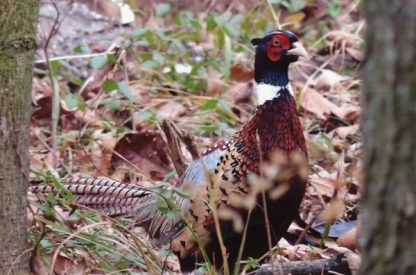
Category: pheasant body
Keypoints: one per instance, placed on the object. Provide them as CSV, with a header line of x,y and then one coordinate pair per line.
x,y
221,180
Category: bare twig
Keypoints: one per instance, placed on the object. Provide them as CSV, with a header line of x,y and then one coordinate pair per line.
x,y
173,146
188,140
55,89
305,230
273,14
70,57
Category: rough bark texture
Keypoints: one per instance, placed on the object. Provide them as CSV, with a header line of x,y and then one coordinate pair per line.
x,y
17,42
389,125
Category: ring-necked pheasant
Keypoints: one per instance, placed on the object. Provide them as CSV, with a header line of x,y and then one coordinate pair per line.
x,y
221,177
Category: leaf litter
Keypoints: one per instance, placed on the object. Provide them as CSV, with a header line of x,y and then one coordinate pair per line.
x,y
110,128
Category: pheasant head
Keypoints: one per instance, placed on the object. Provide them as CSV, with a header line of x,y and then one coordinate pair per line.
x,y
274,52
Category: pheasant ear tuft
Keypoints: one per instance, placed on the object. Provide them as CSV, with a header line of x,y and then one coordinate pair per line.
x,y
256,41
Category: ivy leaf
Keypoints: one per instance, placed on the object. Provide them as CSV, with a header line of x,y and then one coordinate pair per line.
x,y
162,9
125,90
98,62
109,85
209,105
71,100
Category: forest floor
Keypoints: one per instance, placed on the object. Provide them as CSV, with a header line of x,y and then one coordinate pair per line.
x,y
191,64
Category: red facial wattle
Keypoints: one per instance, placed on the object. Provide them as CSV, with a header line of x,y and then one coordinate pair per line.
x,y
276,45
274,53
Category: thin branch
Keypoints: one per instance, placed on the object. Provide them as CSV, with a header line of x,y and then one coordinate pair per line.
x,y
54,85
173,146
70,57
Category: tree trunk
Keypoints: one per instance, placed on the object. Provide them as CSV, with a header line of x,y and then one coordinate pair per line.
x,y
389,129
17,43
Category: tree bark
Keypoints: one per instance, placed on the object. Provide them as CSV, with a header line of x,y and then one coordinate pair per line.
x,y
389,129
17,43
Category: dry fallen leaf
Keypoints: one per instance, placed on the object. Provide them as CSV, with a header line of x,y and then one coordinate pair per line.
x,y
317,104
324,186
354,262
341,38
242,73
333,210
240,92
63,266
171,110
356,54
349,239
144,151
344,132
328,80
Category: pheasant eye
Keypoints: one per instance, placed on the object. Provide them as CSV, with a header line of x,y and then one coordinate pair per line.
x,y
276,42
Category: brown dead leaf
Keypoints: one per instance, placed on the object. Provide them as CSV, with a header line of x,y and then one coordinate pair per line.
x,y
298,252
342,38
215,87
106,8
171,110
333,210
145,151
323,185
349,239
356,54
42,109
63,265
239,72
141,93
354,262
348,113
89,117
344,132
240,92
317,104
328,80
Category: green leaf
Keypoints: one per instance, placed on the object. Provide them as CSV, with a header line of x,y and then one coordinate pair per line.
x,y
334,9
158,57
294,5
83,49
151,64
112,58
139,32
209,128
181,193
38,71
75,79
71,100
98,62
209,105
109,85
227,57
211,24
147,115
225,106
236,19
55,65
114,105
162,9
230,30
125,90
295,18
219,19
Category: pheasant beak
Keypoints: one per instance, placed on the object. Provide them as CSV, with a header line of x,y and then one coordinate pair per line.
x,y
298,50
